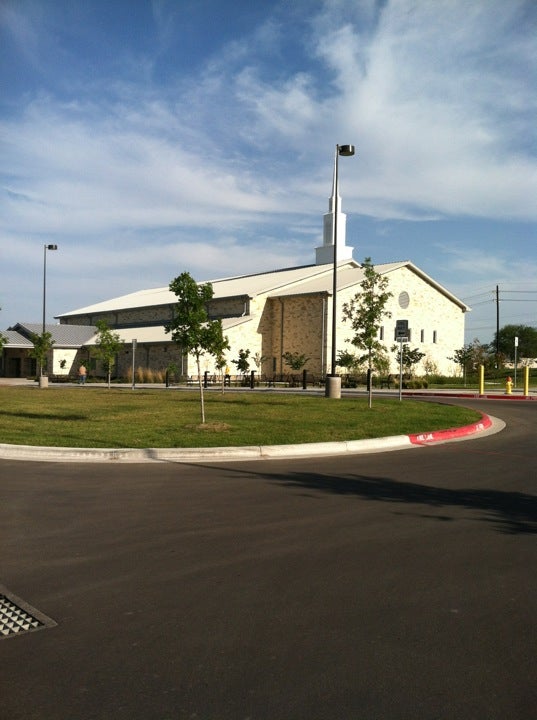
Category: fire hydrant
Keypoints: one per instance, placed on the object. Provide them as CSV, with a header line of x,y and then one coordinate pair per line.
x,y
508,386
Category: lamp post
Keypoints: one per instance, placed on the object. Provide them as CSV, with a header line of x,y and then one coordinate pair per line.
x,y
333,381
45,248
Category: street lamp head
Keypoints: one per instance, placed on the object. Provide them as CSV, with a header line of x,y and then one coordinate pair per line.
x,y
346,150
51,247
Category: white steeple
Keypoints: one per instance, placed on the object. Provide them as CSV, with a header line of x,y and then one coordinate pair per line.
x,y
325,253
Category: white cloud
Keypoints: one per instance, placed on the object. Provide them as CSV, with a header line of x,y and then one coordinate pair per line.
x,y
210,167
428,99
75,174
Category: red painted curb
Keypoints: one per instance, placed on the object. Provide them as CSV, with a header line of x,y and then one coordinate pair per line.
x,y
451,433
469,395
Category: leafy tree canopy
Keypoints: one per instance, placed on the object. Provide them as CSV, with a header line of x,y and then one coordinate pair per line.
x,y
527,341
410,356
107,346
42,344
191,327
347,360
242,362
3,340
365,312
295,360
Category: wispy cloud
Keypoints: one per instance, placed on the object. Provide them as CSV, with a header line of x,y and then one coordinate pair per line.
x,y
234,149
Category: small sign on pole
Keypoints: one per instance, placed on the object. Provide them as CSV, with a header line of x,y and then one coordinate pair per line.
x,y
134,343
516,360
401,341
401,330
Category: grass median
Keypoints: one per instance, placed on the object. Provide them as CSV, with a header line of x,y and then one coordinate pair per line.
x,y
94,417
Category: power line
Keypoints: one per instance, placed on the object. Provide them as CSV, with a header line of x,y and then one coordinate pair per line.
x,y
499,291
479,295
525,292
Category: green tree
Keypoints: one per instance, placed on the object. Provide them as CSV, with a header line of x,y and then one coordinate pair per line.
x,y
347,360
410,357
482,355
295,360
471,356
191,327
365,312
42,344
527,341
381,362
259,360
107,346
3,340
464,357
220,358
242,363
430,367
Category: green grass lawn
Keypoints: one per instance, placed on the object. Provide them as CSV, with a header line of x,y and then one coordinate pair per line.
x,y
121,418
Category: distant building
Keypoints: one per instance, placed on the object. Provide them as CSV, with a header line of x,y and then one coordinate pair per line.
x,y
69,342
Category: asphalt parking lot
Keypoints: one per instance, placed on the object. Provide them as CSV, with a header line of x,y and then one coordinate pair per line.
x,y
392,585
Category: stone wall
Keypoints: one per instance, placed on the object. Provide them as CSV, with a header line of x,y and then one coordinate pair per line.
x,y
435,322
302,324
158,356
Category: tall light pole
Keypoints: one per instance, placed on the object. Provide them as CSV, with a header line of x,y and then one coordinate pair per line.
x,y
45,248
333,381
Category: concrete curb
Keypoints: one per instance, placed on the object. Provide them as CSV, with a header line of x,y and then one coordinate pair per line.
x,y
452,433
471,395
252,452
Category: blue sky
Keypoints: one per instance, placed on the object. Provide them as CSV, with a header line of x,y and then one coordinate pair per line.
x,y
146,138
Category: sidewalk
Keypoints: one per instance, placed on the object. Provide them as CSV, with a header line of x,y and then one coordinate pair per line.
x,y
497,392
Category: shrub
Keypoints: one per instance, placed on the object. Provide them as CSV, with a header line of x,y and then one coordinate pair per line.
x,y
417,384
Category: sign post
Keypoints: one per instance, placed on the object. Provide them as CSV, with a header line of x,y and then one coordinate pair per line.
x,y
516,349
401,334
134,343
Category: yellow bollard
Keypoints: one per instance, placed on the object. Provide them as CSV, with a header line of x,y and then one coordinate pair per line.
x,y
508,386
481,379
526,380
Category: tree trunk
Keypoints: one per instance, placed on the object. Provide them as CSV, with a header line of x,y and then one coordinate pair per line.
x,y
202,402
370,399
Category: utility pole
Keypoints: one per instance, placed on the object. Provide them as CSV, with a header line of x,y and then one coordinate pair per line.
x,y
497,321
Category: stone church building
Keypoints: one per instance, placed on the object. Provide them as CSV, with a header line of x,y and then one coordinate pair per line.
x,y
271,313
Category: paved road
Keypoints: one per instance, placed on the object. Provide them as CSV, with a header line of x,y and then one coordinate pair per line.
x,y
390,586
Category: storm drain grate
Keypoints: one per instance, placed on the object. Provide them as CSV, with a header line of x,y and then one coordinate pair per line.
x,y
17,617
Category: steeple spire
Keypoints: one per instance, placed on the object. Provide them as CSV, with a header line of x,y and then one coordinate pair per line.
x,y
325,253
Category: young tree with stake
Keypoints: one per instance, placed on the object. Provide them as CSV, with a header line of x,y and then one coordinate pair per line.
x,y
365,312
107,346
191,327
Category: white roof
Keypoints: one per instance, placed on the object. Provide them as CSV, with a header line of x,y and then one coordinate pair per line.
x,y
142,298
277,283
247,285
